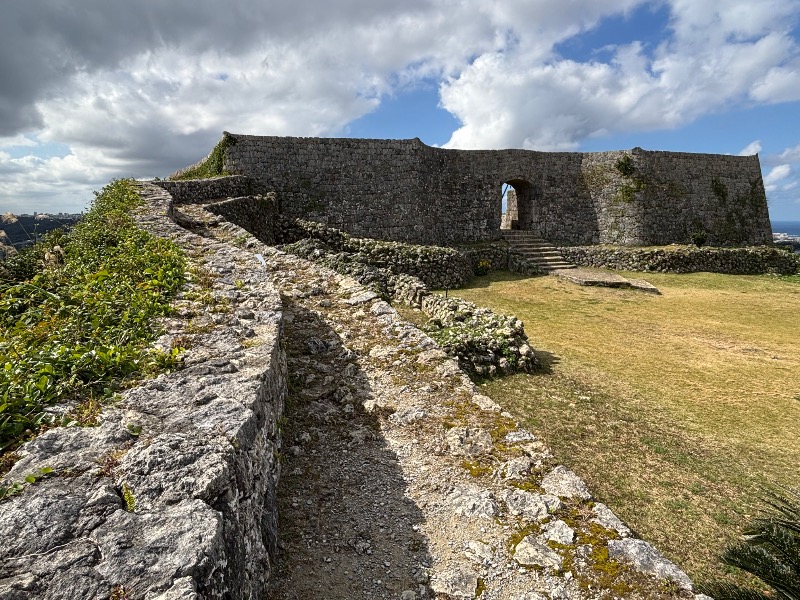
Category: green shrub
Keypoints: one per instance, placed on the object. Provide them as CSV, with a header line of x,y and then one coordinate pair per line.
x,y
699,238
76,315
625,166
483,267
212,165
771,552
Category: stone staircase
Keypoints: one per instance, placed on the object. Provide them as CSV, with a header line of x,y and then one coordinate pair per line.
x,y
536,251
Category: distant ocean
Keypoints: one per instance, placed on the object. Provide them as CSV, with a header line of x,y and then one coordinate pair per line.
x,y
787,227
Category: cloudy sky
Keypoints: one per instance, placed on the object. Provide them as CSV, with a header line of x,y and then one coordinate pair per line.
x,y
96,89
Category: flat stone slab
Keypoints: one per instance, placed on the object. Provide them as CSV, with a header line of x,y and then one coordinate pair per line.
x,y
603,279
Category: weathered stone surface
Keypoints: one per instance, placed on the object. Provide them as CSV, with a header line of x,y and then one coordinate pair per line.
x,y
559,532
194,451
406,416
606,518
531,507
647,559
191,531
486,403
479,551
468,441
473,502
531,551
587,277
520,435
456,583
182,589
564,483
516,468
175,466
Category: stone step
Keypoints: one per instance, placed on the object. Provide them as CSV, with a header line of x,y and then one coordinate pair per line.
x,y
535,250
538,250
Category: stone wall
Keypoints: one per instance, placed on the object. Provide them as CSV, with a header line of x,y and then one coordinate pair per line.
x,y
257,215
173,495
406,191
202,191
654,198
686,259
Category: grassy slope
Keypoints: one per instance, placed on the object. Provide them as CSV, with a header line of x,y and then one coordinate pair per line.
x,y
677,409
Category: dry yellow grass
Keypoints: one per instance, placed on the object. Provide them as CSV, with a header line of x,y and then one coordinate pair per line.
x,y
677,409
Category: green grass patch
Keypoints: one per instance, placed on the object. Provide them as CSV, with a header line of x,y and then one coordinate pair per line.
x,y
678,410
76,315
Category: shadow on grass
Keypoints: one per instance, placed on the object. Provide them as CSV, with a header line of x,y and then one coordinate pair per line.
x,y
546,360
484,281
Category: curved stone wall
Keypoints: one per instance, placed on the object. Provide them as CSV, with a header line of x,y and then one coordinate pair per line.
x,y
173,495
406,191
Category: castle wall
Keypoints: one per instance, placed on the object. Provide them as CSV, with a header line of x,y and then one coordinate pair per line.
x,y
406,191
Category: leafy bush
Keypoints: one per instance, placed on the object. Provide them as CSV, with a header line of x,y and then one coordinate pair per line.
x,y
699,238
771,552
483,267
212,165
76,313
625,166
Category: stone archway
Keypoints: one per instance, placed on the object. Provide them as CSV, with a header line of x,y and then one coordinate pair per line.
x,y
516,204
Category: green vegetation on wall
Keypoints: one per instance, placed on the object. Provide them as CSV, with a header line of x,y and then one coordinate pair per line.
x,y
633,184
213,165
720,190
76,314
625,166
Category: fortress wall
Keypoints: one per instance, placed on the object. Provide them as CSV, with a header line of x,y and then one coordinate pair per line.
x,y
722,196
364,187
197,451
406,191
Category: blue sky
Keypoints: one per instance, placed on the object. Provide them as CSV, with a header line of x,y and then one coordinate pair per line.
x,y
113,89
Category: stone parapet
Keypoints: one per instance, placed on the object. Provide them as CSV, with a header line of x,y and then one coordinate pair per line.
x,y
203,191
173,495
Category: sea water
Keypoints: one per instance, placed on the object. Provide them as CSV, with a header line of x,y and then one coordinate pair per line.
x,y
788,227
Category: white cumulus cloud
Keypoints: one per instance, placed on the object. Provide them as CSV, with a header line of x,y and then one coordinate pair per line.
x,y
141,89
775,175
753,147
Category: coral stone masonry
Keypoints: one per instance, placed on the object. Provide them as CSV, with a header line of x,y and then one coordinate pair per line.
x,y
404,190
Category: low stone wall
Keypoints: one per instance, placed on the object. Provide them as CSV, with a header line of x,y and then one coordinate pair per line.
x,y
202,191
173,495
752,260
257,215
499,256
439,267
486,344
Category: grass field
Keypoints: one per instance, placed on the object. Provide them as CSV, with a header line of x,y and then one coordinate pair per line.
x,y
678,410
